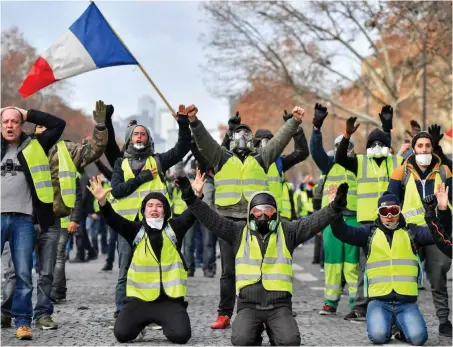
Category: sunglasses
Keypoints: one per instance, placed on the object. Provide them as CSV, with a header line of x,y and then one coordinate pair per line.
x,y
389,211
259,210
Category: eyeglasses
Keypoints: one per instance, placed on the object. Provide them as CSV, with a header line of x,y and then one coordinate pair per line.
x,y
389,211
259,210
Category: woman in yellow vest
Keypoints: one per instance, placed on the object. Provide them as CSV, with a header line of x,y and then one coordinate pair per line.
x,y
392,271
263,247
157,276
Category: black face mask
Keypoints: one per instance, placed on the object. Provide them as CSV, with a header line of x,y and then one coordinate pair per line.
x,y
263,223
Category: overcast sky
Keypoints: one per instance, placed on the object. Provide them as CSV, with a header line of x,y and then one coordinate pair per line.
x,y
163,36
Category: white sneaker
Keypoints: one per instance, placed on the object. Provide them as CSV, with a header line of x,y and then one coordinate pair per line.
x,y
141,335
154,326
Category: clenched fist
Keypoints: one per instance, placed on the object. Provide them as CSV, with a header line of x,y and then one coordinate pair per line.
x,y
298,113
191,111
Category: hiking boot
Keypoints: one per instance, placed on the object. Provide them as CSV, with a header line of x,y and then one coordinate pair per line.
x,y
24,333
107,267
191,273
355,316
327,310
222,322
46,323
445,329
6,322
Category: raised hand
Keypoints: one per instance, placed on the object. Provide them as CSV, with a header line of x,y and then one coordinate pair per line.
x,y
286,116
183,183
320,114
191,111
298,113
100,113
98,191
351,128
386,117
233,122
434,131
198,183
109,111
340,201
332,191
442,196
415,128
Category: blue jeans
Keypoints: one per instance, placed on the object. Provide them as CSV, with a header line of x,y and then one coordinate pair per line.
x,y
124,260
20,232
95,228
382,315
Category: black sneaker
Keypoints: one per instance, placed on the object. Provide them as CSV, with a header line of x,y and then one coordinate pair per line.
x,y
190,273
107,267
445,329
355,316
6,322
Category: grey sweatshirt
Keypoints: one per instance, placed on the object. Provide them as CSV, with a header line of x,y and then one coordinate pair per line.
x,y
217,156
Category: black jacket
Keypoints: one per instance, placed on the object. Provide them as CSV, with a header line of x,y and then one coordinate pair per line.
x,y
43,213
121,189
440,227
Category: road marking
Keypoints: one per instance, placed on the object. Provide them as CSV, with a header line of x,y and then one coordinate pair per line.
x,y
317,288
302,276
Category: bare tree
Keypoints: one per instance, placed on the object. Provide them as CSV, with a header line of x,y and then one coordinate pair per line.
x,y
322,47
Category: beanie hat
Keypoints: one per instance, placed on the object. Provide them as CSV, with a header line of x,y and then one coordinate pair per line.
x,y
421,135
262,198
377,135
242,127
388,199
263,134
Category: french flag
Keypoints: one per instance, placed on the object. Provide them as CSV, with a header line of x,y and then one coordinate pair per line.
x,y
89,44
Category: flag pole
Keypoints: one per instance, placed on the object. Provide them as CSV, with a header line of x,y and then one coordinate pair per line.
x,y
141,67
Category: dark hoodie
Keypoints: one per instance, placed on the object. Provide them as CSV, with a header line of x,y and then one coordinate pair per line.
x,y
359,236
256,296
350,163
129,230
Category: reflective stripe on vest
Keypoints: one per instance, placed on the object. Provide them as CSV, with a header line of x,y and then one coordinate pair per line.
x,y
179,206
275,184
394,268
338,175
275,270
38,164
67,174
145,272
129,206
413,210
372,181
285,212
298,205
237,179
65,222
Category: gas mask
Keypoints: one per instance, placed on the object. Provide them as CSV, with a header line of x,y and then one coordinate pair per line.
x,y
377,150
263,219
242,140
424,159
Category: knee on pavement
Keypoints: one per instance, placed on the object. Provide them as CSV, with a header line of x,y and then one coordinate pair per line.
x,y
182,336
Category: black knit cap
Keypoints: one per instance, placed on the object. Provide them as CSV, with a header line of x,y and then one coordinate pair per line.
x,y
160,197
263,199
388,199
263,134
242,127
421,135
377,135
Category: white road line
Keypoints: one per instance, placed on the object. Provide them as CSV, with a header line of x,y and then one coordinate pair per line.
x,y
303,276
317,288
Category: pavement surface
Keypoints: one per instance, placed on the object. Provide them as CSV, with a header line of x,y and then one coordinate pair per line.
x,y
85,318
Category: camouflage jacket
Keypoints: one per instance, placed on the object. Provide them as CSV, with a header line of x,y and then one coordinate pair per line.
x,y
82,154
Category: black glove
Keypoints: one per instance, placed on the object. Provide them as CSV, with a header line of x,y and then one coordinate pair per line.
x,y
145,176
110,110
386,116
320,114
187,192
340,201
287,115
351,128
434,131
430,204
182,119
233,122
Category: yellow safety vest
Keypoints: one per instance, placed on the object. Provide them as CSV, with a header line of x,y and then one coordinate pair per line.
x,y
179,206
413,210
275,270
338,175
67,174
392,268
298,205
129,206
372,182
64,222
105,185
307,203
275,184
237,179
146,274
38,164
286,202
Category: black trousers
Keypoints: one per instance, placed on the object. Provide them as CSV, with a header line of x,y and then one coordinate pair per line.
x,y
136,314
227,279
281,327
